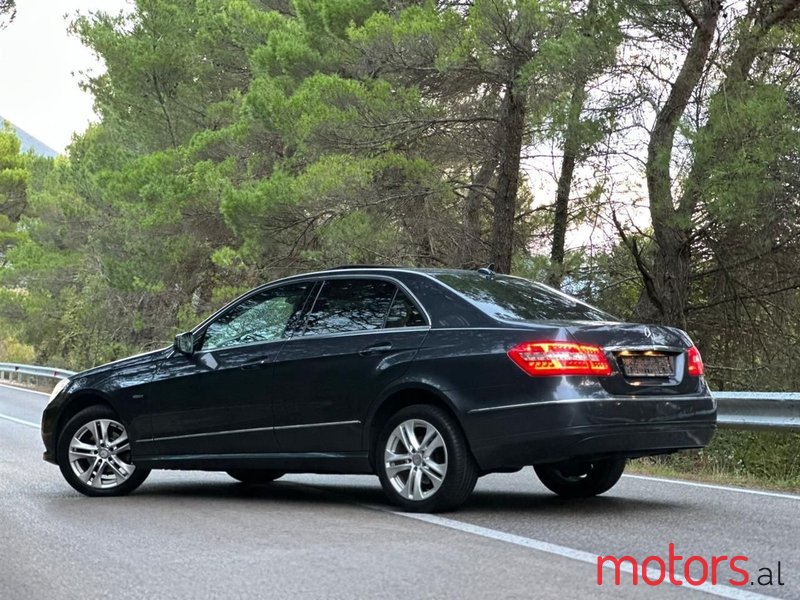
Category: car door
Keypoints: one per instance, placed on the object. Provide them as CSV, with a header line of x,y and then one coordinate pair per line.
x,y
360,334
218,399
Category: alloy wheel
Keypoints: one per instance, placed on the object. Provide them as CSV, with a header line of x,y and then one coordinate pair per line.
x,y
100,454
415,459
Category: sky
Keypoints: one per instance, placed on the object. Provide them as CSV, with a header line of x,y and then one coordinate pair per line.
x,y
40,66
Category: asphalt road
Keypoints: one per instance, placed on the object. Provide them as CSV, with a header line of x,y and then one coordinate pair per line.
x,y
201,535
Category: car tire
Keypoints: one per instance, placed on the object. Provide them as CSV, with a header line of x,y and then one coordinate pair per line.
x,y
575,479
94,454
438,474
255,476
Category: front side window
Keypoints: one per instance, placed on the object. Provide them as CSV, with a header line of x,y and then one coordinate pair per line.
x,y
263,317
348,305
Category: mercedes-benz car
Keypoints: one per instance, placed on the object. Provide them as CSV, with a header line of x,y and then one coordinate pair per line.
x,y
429,378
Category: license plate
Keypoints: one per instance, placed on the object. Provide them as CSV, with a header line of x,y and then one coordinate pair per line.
x,y
647,366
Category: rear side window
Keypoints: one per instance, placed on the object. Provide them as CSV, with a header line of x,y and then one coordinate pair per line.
x,y
345,305
403,313
517,299
352,305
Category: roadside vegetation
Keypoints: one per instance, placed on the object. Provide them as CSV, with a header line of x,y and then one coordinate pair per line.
x,y
642,156
761,459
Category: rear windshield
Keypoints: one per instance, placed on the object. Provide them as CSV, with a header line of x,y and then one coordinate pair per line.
x,y
518,299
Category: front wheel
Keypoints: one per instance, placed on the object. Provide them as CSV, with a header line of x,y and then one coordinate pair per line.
x,y
423,461
94,454
581,479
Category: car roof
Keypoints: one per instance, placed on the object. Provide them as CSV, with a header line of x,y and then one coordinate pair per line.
x,y
427,272
394,269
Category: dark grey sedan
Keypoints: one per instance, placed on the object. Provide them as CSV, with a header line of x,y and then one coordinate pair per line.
x,y
427,378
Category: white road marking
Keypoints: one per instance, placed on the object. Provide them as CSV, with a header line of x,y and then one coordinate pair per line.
x,y
721,591
22,389
711,486
19,421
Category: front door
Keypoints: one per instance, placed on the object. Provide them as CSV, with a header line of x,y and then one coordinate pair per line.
x,y
218,400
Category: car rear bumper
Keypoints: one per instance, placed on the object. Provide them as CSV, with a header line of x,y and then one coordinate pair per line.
x,y
514,436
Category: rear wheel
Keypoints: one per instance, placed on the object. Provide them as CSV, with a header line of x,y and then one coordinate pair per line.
x,y
581,479
94,454
254,476
423,461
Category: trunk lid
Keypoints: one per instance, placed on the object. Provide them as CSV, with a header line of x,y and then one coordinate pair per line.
x,y
629,335
645,359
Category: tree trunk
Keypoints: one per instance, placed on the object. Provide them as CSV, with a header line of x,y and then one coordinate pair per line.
x,y
471,251
672,229
512,122
572,146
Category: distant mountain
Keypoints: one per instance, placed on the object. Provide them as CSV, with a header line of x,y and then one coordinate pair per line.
x,y
28,142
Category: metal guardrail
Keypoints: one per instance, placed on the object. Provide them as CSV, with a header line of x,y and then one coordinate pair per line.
x,y
736,410
758,410
31,374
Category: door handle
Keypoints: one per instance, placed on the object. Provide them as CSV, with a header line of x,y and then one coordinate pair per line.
x,y
376,349
260,364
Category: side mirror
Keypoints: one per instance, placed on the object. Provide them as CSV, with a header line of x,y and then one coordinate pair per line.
x,y
184,343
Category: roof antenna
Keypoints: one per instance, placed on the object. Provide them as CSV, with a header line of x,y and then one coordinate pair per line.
x,y
488,270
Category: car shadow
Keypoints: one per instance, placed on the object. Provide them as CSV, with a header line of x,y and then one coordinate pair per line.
x,y
534,501
480,502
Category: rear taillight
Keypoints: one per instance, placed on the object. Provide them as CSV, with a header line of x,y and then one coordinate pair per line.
x,y
695,367
560,358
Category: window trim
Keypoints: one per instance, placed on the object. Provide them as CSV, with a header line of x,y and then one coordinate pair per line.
x,y
316,280
389,310
247,345
389,331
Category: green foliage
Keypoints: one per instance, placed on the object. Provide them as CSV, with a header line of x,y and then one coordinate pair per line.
x,y
339,15
13,175
168,62
12,350
750,128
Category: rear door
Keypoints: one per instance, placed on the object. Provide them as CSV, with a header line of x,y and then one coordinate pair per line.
x,y
360,335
